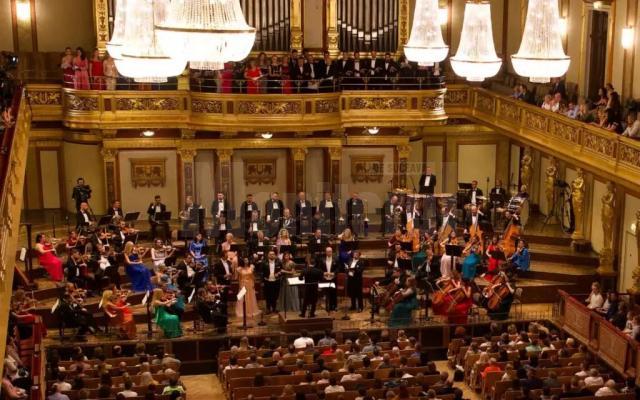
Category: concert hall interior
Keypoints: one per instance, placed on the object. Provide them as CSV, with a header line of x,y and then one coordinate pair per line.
x,y
320,199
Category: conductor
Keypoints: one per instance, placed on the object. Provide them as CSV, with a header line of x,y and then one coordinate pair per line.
x,y
312,277
427,182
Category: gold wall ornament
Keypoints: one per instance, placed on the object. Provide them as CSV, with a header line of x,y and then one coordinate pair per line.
x,y
260,171
599,144
332,28
607,217
224,155
629,155
403,24
335,153
509,111
378,103
75,102
51,97
295,23
365,169
147,104
187,155
403,151
535,121
485,103
108,154
299,153
577,200
433,103
206,106
456,96
327,106
269,107
148,172
551,174
101,20
187,133
526,168
564,131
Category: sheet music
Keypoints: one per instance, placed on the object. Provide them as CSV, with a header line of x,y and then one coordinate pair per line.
x,y
295,281
326,285
241,293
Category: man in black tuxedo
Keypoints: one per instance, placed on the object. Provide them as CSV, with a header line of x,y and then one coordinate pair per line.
x,y
355,73
315,74
328,265
355,268
312,276
388,215
474,218
116,210
499,193
223,272
301,74
373,69
355,213
84,217
330,210
427,182
81,193
77,269
344,65
253,225
271,272
274,209
328,73
190,217
246,209
317,244
389,71
474,193
154,211
219,205
303,214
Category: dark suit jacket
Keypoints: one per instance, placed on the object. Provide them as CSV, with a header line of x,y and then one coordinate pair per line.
x,y
357,208
502,194
151,211
478,193
357,270
427,189
215,206
112,211
322,266
311,276
315,247
269,210
390,69
245,214
299,210
329,213
376,69
468,219
264,269
219,273
73,269
301,75
80,218
327,71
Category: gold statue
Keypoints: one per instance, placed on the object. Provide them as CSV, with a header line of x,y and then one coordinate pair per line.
x,y
525,168
636,272
549,187
607,216
577,200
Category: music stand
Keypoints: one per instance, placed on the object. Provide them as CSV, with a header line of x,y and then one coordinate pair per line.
x,y
105,220
131,217
464,186
286,249
453,250
404,264
406,246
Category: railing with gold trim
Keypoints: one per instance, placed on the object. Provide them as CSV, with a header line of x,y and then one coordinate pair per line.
x,y
91,109
607,341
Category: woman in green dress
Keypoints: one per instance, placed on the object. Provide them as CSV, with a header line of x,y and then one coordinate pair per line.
x,y
169,323
401,313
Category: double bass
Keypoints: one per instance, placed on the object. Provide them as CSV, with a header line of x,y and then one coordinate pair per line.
x,y
511,233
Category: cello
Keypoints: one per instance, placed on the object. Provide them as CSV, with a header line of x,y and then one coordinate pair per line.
x,y
511,233
496,292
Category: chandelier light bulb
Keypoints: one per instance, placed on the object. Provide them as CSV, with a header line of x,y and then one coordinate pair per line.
x,y
627,38
148,133
206,31
476,58
142,58
267,135
374,130
541,55
426,45
443,15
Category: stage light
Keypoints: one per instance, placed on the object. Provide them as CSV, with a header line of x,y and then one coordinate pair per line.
x,y
597,5
373,130
148,133
627,38
267,135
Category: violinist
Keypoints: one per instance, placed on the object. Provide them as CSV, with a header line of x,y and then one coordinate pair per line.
x,y
395,255
47,257
101,237
119,314
85,220
471,262
77,270
71,242
123,234
494,254
115,211
161,254
71,308
186,270
107,266
521,259
22,310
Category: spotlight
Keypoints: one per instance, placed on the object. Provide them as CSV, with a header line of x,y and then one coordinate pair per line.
x,y
267,135
148,133
373,130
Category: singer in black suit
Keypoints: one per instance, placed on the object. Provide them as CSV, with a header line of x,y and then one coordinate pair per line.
x,y
219,205
246,209
317,243
427,182
355,207
84,217
329,210
355,268
328,265
312,276
303,214
154,212
271,272
474,193
274,209
223,271
499,193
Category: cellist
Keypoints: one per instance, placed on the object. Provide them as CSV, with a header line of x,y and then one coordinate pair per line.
x,y
472,224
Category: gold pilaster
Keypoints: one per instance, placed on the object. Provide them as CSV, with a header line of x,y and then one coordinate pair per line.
x,y
335,158
332,28
608,216
296,25
400,171
578,191
109,156
403,24
187,157
224,173
101,20
299,154
636,272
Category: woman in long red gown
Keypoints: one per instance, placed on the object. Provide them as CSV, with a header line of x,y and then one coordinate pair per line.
x,y
47,258
456,311
252,75
286,76
226,78
116,307
81,68
494,263
96,71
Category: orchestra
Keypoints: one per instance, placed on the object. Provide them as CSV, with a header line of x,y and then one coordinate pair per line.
x,y
442,263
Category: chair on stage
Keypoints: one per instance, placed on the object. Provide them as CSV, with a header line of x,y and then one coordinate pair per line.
x,y
517,302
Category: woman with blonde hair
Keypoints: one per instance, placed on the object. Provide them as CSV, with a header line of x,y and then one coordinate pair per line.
x,y
139,274
169,323
146,379
346,246
119,314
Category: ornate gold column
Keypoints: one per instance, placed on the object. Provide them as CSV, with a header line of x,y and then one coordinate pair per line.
x,y
224,173
187,171
608,218
402,155
110,158
101,20
298,154
403,24
526,169
629,54
296,25
636,272
332,28
335,157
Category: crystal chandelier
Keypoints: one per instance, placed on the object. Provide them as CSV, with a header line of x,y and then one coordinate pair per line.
x,y
476,58
114,46
206,30
142,58
426,45
541,55
207,65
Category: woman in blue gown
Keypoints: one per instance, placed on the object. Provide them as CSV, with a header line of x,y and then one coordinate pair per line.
x,y
197,250
168,322
402,310
346,246
139,275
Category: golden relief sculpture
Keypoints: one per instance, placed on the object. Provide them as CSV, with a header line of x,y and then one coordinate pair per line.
x,y
101,19
456,96
636,272
526,168
564,131
535,121
485,103
509,111
433,103
260,171
577,201
147,104
549,186
45,97
327,106
148,172
378,103
206,106
269,107
365,169
80,103
607,217
629,155
599,144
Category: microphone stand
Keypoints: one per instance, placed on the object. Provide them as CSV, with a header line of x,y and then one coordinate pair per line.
x,y
53,224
